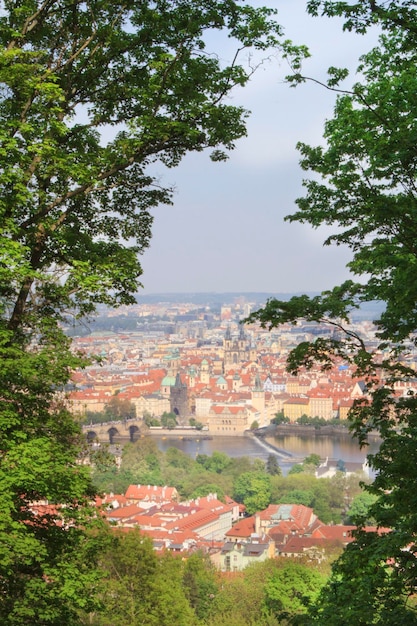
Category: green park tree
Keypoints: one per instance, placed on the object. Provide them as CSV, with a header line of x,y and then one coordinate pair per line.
x,y
141,463
298,496
297,468
119,408
168,420
280,419
200,584
291,589
217,462
358,511
363,187
139,587
312,459
195,423
272,467
95,97
254,490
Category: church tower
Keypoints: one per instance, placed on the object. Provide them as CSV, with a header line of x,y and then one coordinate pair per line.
x,y
236,351
205,372
258,397
242,342
179,399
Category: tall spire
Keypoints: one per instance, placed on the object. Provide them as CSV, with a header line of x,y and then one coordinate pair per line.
x,y
258,384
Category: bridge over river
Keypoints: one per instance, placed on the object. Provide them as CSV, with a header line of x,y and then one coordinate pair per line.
x,y
131,430
124,431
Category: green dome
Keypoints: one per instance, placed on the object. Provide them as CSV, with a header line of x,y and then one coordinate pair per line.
x,y
168,381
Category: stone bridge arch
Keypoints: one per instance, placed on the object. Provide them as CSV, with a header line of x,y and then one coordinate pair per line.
x,y
134,432
91,436
113,433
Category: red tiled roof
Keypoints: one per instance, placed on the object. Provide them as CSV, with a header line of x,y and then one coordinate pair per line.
x,y
334,533
297,400
298,544
150,492
193,522
124,512
243,529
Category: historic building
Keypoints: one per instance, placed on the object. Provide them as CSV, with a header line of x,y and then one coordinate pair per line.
x,y
237,350
179,399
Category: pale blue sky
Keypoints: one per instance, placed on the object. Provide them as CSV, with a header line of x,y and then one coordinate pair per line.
x,y
225,231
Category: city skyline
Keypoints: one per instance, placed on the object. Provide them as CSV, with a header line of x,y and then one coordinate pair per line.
x,y
226,229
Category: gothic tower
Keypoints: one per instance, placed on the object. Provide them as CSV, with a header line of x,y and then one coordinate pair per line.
x,y
179,399
258,396
236,351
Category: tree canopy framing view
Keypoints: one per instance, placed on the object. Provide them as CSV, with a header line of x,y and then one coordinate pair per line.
x,y
365,188
94,94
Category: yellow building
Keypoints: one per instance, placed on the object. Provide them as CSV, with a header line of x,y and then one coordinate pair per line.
x,y
321,406
293,408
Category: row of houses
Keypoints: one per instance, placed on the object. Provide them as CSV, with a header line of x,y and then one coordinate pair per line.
x,y
221,529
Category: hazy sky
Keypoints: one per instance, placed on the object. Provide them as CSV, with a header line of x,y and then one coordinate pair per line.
x,y
225,231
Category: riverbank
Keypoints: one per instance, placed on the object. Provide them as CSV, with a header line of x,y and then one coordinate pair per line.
x,y
282,429
300,430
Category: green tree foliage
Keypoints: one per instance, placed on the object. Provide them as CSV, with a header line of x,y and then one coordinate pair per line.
x,y
312,459
358,512
298,496
380,598
168,420
317,493
150,421
364,188
140,588
196,424
93,417
119,409
272,466
95,97
280,419
206,488
254,490
291,589
217,462
177,458
47,570
200,584
141,463
102,459
241,597
275,592
309,465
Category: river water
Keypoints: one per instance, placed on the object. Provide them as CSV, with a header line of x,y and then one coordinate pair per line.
x,y
297,447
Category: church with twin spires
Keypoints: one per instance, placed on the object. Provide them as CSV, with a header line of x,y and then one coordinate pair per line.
x,y
237,350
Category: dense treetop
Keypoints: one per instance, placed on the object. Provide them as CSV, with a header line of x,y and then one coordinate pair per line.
x,y
94,95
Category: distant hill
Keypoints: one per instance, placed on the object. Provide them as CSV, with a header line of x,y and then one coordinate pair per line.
x,y
213,298
128,323
369,310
